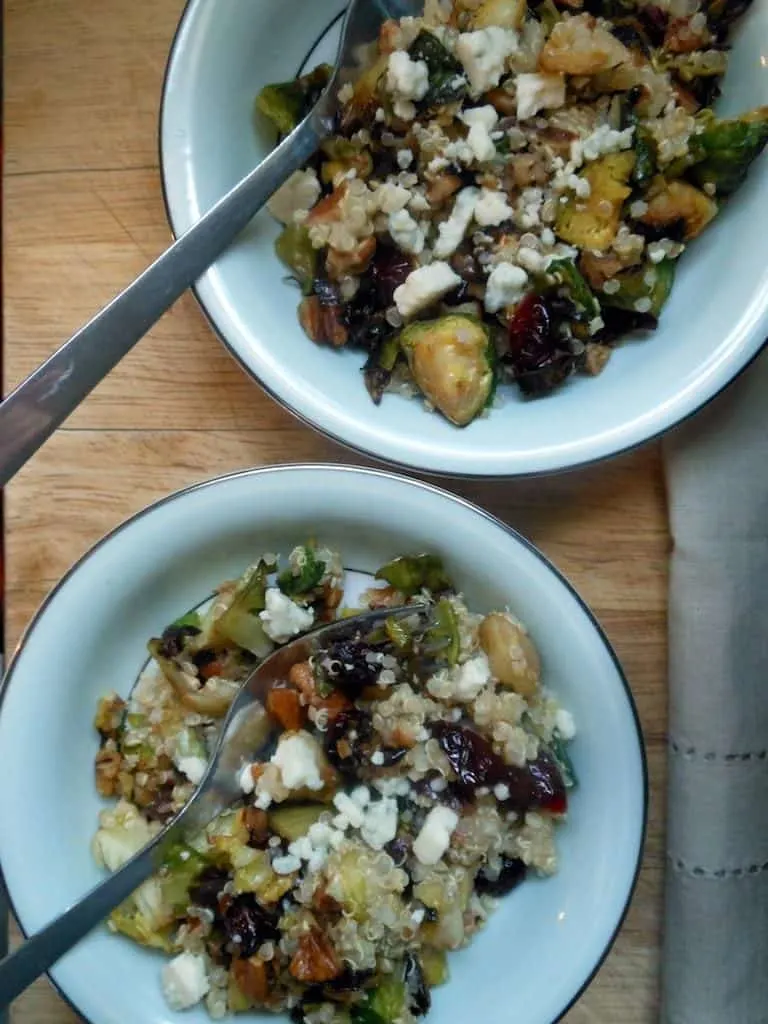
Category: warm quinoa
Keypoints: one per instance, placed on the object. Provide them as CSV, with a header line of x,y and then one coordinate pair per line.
x,y
420,773
509,189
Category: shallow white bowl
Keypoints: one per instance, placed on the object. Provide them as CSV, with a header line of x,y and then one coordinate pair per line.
x,y
716,321
542,946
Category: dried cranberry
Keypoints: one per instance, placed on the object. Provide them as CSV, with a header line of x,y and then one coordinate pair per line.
x,y
389,269
347,739
538,362
471,757
247,925
173,639
207,889
511,875
417,990
351,672
538,785
619,322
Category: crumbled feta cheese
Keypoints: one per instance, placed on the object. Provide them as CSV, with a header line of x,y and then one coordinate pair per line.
x,y
361,796
492,208
452,231
393,787
380,824
418,915
185,981
404,158
286,865
380,114
484,54
283,618
463,682
537,92
391,197
297,758
437,164
418,203
547,236
501,791
407,80
296,196
602,141
347,808
193,767
406,232
424,286
531,260
263,801
346,92
481,121
377,758
505,286
435,835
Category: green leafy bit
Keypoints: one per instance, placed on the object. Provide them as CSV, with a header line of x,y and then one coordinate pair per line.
x,y
724,150
380,366
298,254
399,634
411,573
288,103
180,871
311,572
190,619
643,290
443,638
447,83
559,749
240,623
579,292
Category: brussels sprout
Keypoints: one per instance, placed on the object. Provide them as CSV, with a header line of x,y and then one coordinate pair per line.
x,y
578,290
724,150
434,963
592,223
131,922
343,155
387,1001
240,623
294,820
452,362
651,283
670,202
256,875
559,750
295,250
365,99
443,638
447,83
503,13
288,103
180,871
411,573
377,371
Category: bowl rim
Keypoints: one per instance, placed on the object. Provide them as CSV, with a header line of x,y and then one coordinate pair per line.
x,y
442,493
669,422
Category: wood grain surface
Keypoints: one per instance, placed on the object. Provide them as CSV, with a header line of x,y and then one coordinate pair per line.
x,y
83,215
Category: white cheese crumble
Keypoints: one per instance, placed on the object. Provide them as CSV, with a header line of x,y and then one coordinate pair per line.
x,y
297,758
247,785
492,208
484,54
481,122
435,835
506,285
185,981
464,682
537,92
407,80
424,286
348,809
283,618
286,865
346,92
391,197
295,197
452,231
380,824
405,232
601,142
404,159
193,767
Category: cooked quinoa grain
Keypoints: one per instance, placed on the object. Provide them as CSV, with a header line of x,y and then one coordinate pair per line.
x,y
421,771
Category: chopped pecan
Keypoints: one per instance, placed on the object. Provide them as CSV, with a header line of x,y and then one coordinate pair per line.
x,y
108,765
322,323
315,960
109,716
340,264
257,824
442,188
251,978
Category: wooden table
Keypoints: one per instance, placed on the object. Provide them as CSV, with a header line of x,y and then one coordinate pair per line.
x,y
83,215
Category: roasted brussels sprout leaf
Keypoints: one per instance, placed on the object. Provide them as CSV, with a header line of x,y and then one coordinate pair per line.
x,y
724,150
292,821
559,750
296,252
592,223
288,103
309,576
411,573
380,366
574,284
644,290
240,623
190,619
452,363
447,83
442,639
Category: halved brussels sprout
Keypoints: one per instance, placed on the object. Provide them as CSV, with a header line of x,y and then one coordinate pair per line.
x,y
447,83
411,573
452,362
568,276
592,223
342,156
287,103
503,13
648,287
240,623
292,821
296,251
724,150
672,201
443,639
378,370
434,963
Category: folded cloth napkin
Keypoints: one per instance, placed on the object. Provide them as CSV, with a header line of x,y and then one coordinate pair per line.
x,y
715,956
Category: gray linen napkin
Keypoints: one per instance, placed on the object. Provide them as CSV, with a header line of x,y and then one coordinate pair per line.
x,y
715,958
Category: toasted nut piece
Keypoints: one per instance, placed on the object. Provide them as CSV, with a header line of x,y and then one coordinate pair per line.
x,y
579,46
251,978
315,960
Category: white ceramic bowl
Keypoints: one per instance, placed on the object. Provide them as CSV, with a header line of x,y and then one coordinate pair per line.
x,y
716,321
542,946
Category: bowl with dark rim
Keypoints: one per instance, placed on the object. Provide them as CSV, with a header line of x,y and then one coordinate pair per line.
x,y
715,322
548,938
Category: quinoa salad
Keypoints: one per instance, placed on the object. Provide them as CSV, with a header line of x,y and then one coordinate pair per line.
x,y
420,773
509,188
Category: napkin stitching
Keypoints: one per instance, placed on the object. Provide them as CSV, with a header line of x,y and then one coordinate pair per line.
x,y
697,871
711,755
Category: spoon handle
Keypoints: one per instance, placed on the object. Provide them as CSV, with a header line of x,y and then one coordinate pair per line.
x,y
31,413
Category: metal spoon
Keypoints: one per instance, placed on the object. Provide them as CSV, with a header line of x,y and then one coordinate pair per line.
x,y
247,735
31,413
